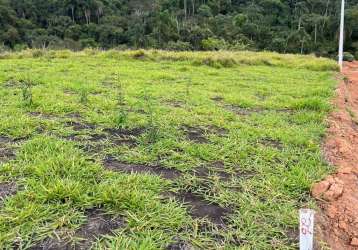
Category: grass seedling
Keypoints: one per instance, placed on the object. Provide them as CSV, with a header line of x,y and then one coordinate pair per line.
x,y
84,96
122,112
26,89
188,88
153,128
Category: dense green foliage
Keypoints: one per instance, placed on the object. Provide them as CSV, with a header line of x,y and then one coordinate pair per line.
x,y
295,26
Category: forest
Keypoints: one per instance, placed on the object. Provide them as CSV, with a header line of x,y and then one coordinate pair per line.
x,y
291,26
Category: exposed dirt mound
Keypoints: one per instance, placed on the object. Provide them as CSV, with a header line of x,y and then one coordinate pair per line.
x,y
337,195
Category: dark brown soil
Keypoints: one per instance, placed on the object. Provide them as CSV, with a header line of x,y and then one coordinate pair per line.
x,y
124,136
98,224
179,245
175,103
7,189
218,130
200,208
243,111
43,115
5,140
6,155
196,135
206,172
78,126
337,195
114,165
74,115
268,142
217,98
125,132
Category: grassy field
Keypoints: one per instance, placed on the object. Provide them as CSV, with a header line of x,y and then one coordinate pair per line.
x,y
159,150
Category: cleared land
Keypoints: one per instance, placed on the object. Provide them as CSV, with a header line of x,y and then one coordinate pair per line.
x,y
151,149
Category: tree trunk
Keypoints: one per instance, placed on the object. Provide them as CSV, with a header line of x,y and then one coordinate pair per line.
x,y
302,42
73,13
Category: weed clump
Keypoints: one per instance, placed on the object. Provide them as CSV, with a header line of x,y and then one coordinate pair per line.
x,y
84,95
121,118
314,104
139,54
152,127
38,53
26,90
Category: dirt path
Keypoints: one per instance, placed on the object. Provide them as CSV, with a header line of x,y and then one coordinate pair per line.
x,y
337,195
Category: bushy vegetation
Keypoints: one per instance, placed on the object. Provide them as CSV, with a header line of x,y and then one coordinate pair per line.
x,y
213,59
284,26
190,150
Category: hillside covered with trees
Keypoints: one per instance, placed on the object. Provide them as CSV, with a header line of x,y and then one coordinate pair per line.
x,y
295,26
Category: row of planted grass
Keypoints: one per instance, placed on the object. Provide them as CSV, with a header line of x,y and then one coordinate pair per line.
x,y
215,59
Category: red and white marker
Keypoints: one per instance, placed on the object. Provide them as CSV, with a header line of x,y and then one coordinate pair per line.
x,y
306,229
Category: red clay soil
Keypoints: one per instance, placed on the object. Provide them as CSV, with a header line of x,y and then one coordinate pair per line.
x,y
337,195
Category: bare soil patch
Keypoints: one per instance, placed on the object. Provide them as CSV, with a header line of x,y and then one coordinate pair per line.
x,y
199,134
78,126
200,208
43,115
5,140
166,173
194,134
180,245
124,132
337,195
98,224
7,189
269,142
6,154
216,168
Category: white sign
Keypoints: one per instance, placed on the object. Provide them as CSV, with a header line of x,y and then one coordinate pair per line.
x,y
306,229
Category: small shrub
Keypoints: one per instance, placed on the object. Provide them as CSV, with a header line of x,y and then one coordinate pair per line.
x,y
4,49
139,54
20,47
179,46
38,53
214,44
314,104
348,57
356,55
63,54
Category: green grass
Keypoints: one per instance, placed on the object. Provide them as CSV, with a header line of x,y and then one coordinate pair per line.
x,y
261,116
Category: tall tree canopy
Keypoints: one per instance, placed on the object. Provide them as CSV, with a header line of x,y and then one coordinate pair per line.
x,y
295,26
